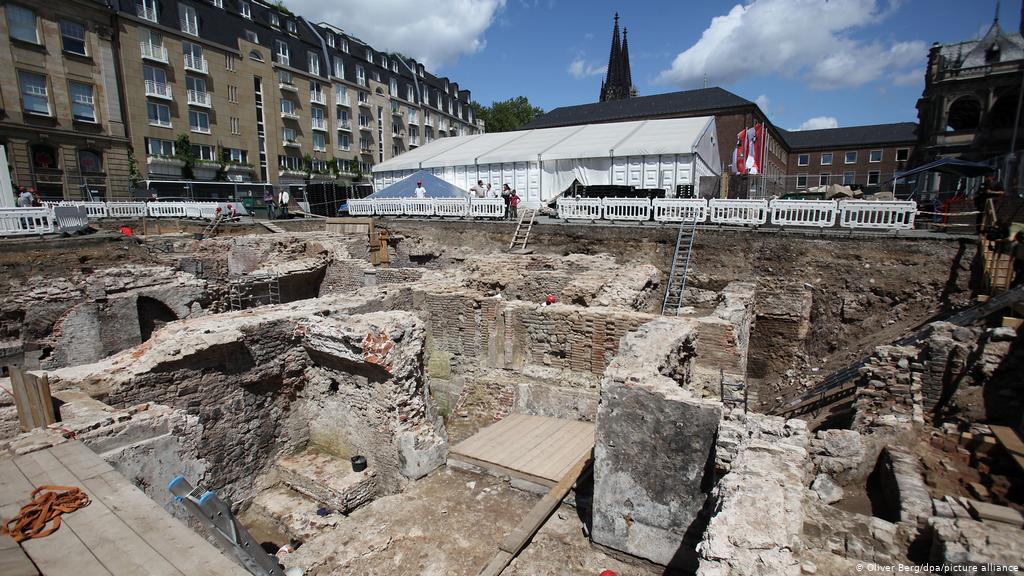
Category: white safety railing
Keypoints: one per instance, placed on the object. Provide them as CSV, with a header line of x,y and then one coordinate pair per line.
x,y
93,209
680,209
487,208
419,207
820,213
580,208
744,212
451,207
638,209
360,207
166,209
126,209
25,221
892,215
389,206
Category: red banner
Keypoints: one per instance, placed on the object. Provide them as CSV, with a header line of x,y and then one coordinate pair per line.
x,y
748,156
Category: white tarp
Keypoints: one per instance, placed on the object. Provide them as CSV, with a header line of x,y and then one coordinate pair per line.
x,y
471,149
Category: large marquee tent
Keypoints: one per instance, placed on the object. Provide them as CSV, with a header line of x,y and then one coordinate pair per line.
x,y
542,163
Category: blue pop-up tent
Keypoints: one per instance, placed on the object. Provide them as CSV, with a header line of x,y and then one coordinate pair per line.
x,y
406,188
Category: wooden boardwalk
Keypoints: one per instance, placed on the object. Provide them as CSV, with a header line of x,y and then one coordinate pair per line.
x,y
122,532
537,449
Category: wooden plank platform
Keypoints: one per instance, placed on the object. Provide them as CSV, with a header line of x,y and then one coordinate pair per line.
x,y
537,449
122,532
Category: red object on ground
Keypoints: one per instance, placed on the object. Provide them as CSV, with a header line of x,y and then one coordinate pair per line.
x,y
607,573
551,299
126,230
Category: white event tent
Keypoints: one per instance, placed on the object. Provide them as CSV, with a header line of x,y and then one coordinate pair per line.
x,y
542,163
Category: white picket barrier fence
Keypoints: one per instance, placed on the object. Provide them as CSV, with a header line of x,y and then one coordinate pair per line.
x,y
487,208
419,207
389,206
580,208
25,221
819,213
739,211
680,209
166,209
636,209
451,207
360,207
126,209
891,215
93,209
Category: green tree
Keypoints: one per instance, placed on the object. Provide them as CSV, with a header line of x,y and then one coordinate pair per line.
x,y
511,114
184,152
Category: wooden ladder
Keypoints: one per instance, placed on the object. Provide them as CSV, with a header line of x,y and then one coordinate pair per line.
x,y
522,235
212,227
680,267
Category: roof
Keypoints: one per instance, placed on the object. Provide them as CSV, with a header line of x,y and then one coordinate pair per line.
x,y
899,133
406,188
692,102
640,138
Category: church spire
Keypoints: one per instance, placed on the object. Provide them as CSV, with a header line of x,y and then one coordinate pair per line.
x,y
627,75
618,80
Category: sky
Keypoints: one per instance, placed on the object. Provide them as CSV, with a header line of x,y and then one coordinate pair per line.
x,y
807,63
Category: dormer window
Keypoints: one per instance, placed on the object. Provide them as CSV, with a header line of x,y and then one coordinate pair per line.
x,y
992,54
369,56
291,26
344,45
274,20
243,7
330,40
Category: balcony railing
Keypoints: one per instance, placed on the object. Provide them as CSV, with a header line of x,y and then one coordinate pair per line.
x,y
365,150
291,144
345,125
398,134
364,126
189,26
195,63
287,86
153,52
365,103
344,147
290,114
145,12
199,98
158,89
342,101
320,124
317,97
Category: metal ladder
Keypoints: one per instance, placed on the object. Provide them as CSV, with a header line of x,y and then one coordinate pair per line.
x,y
680,267
220,521
241,290
522,235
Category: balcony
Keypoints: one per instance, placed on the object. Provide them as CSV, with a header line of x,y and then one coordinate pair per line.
x,y
158,90
344,125
291,144
153,52
317,98
398,134
197,98
146,12
365,150
195,64
290,114
200,129
414,140
365,127
342,101
320,124
190,26
344,147
287,86
365,104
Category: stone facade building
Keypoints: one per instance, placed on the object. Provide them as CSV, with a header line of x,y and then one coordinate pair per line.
x,y
61,121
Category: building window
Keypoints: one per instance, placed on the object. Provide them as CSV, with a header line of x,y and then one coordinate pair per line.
x,y
340,95
873,177
196,87
284,77
243,7
236,126
902,154
158,147
291,26
364,120
34,97
83,108
330,39
203,151
198,121
823,178
413,118
238,156
344,45
826,158
21,24
803,159
233,94
369,56
289,162
189,19
314,63
393,87
287,107
801,180
343,141
360,76
72,37
252,37
850,158
274,20
339,67
875,156
281,53
146,9
849,178
410,94
159,114
288,134
218,3
90,161
319,142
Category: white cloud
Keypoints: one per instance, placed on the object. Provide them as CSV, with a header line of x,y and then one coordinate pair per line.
x,y
774,37
819,123
434,32
579,68
764,102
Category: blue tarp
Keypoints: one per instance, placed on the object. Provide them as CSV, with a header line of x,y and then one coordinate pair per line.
x,y
406,188
954,166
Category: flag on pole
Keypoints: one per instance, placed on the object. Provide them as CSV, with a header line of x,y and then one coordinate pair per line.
x,y
755,151
739,153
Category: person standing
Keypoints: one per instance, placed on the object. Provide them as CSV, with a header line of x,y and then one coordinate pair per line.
x,y
477,190
285,198
490,191
421,192
268,201
513,204
25,199
506,194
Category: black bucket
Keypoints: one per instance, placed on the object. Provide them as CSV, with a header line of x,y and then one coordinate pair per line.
x,y
358,463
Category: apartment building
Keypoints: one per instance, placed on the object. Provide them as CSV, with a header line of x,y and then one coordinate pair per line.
x,y
266,96
61,119
862,156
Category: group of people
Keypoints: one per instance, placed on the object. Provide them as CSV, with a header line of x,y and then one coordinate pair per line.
x,y
277,205
27,197
507,194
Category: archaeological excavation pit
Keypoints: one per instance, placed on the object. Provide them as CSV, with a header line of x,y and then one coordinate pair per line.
x,y
260,366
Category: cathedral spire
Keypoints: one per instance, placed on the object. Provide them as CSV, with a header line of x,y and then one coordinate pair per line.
x,y
618,80
627,75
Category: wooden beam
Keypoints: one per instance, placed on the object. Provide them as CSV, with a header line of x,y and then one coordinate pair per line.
x,y
529,525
